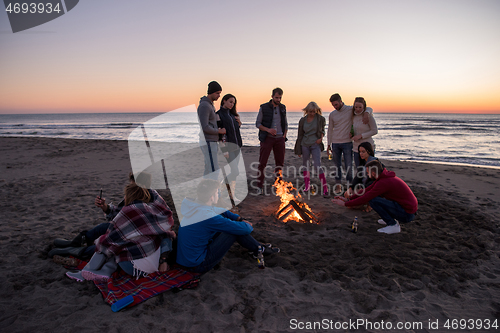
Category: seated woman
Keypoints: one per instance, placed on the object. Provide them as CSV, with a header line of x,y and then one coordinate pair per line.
x,y
135,238
207,232
361,180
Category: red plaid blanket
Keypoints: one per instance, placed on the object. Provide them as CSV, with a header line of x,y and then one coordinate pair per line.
x,y
121,285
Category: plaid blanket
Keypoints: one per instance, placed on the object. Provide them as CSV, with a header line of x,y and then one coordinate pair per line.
x,y
121,285
137,230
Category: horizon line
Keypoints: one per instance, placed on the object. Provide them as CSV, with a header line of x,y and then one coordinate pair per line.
x,y
289,111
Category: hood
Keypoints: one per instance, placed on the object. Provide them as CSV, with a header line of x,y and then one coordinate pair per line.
x,y
387,174
194,212
205,99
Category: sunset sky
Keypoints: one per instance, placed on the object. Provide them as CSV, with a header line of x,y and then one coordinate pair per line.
x,y
157,55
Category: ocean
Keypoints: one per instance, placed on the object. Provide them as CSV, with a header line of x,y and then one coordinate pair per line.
x,y
468,139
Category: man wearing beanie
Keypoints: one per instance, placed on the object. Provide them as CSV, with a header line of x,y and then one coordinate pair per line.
x,y
272,125
209,134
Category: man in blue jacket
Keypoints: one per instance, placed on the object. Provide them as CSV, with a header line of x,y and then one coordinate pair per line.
x,y
207,232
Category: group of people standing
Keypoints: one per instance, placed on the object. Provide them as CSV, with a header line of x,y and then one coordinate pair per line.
x,y
349,139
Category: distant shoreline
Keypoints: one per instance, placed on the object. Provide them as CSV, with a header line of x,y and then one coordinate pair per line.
x,y
290,151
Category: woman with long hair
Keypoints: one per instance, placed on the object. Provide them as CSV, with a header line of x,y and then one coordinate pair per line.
x,y
361,180
362,132
135,238
310,143
230,120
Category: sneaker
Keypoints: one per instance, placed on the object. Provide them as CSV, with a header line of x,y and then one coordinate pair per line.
x,y
390,229
268,249
271,250
381,222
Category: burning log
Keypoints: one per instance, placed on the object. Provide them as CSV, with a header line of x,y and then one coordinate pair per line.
x,y
311,214
284,217
299,210
282,209
292,207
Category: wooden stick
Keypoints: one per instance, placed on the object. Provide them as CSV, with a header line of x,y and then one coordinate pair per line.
x,y
299,210
287,214
282,209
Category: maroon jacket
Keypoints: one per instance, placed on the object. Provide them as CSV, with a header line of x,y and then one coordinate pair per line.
x,y
390,187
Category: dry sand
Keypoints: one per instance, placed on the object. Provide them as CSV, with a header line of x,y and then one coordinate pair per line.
x,y
444,265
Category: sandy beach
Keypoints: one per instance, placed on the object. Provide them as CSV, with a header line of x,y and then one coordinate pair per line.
x,y
443,266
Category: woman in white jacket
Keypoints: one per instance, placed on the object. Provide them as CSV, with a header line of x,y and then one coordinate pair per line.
x,y
362,132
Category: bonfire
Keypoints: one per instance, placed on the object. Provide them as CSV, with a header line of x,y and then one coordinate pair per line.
x,y
292,207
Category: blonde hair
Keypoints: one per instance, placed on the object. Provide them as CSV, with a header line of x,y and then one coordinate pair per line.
x,y
312,106
134,192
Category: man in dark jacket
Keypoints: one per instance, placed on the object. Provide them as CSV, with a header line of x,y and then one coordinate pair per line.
x,y
389,196
273,126
209,134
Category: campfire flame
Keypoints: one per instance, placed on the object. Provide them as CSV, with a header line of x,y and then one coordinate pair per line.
x,y
290,201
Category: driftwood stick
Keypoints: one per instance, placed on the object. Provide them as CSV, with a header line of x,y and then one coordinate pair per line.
x,y
299,210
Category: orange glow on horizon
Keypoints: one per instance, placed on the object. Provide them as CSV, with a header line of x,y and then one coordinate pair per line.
x,y
102,98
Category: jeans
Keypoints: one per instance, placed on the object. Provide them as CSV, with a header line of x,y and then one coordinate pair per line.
x,y
337,150
233,160
315,151
277,145
357,159
92,235
390,210
128,267
219,246
209,150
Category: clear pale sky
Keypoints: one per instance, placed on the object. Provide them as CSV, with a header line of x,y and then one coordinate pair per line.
x,y
157,55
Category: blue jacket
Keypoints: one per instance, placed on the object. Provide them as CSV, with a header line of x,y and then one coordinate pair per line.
x,y
199,225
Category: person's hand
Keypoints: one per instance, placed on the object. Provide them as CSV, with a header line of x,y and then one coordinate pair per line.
x,y
348,193
238,120
319,141
101,203
272,131
357,137
222,131
366,118
339,201
248,222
